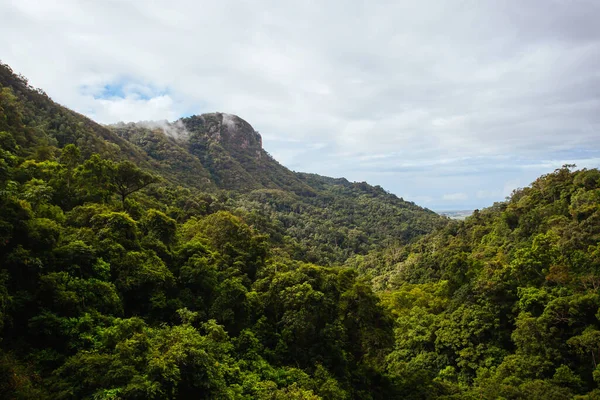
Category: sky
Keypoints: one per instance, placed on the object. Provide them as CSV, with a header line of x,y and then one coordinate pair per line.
x,y
450,104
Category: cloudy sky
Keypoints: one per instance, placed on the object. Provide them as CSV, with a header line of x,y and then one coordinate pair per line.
x,y
451,104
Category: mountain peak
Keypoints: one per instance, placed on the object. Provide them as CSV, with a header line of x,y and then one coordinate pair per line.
x,y
226,129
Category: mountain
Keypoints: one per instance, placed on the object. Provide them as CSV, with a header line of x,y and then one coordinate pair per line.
x,y
42,127
220,156
227,148
179,260
343,219
326,220
159,260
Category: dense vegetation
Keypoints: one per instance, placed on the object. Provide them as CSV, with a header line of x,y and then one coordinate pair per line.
x,y
138,264
314,218
97,304
130,268
504,304
344,219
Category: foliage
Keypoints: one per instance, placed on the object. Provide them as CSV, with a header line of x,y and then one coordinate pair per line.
x,y
115,282
504,304
123,275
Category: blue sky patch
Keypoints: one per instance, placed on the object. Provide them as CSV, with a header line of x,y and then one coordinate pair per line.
x,y
124,89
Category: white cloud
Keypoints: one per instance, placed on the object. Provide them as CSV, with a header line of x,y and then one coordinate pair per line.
x,y
122,109
455,197
419,97
488,194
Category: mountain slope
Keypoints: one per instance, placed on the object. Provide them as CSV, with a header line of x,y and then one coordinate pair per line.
x,y
43,123
505,303
127,272
192,281
317,219
227,149
232,150
169,154
342,220
44,127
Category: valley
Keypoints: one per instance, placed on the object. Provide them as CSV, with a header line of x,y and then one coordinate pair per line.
x,y
180,260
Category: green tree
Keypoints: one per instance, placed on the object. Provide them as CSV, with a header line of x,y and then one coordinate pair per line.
x,y
126,179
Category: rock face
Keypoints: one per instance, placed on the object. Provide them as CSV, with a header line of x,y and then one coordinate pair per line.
x,y
231,150
239,131
214,150
229,131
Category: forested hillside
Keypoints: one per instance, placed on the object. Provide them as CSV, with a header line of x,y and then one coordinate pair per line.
x,y
504,304
179,260
344,219
131,268
216,161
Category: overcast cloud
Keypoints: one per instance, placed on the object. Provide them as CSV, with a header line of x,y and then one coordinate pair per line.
x,y
449,104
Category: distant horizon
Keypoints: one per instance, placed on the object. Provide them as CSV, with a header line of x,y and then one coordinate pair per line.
x,y
457,210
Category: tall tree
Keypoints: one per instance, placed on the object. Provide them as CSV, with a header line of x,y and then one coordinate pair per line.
x,y
126,179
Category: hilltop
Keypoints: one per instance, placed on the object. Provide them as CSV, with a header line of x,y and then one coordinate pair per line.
x,y
179,260
220,158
